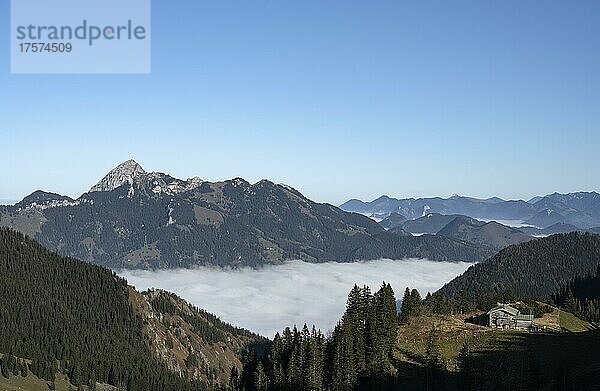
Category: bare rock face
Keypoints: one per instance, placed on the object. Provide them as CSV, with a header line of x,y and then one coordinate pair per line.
x,y
127,172
131,174
189,341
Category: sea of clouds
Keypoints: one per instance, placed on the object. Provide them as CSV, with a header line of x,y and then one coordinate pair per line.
x,y
267,299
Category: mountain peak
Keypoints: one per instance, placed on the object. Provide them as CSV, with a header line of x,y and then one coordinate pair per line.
x,y
125,172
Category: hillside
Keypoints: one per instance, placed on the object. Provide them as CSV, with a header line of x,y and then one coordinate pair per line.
x,y
431,223
559,228
433,247
538,268
392,221
80,320
138,219
427,347
492,234
546,218
443,352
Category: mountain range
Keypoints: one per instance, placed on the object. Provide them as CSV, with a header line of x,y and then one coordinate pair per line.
x,y
581,209
137,219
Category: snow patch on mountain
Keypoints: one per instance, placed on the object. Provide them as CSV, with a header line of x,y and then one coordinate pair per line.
x,y
426,210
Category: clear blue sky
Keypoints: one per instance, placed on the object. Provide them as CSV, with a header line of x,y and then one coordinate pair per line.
x,y
339,99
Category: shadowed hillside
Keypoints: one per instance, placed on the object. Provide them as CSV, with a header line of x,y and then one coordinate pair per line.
x,y
75,319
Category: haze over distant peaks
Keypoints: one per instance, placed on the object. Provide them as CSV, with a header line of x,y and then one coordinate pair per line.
x,y
581,209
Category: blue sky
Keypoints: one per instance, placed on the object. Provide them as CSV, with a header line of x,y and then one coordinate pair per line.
x,y
339,99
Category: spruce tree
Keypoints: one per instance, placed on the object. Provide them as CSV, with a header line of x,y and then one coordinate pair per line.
x,y
24,369
415,301
405,308
276,358
432,350
260,378
462,303
569,303
4,367
12,365
465,367
316,360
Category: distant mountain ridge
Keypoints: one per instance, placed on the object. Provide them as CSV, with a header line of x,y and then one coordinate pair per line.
x,y
492,234
581,209
432,223
138,219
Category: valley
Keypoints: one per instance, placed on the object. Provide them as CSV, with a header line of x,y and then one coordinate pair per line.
x,y
300,196
292,293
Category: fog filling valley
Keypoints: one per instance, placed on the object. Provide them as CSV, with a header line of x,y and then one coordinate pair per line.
x,y
267,299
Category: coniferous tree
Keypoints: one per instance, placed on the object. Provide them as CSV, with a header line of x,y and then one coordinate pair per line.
x,y
260,378
276,357
433,368
24,369
432,351
415,298
234,378
12,364
411,305
4,367
406,307
569,303
465,366
315,365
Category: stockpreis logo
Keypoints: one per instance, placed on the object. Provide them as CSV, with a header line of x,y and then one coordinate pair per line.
x,y
80,36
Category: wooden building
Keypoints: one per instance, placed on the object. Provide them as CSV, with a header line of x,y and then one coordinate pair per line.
x,y
506,317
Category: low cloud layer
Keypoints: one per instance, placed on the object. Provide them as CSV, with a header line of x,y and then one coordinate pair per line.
x,y
268,299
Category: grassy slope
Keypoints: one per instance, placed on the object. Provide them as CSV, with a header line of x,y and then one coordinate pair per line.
x,y
33,383
453,332
572,324
29,383
512,358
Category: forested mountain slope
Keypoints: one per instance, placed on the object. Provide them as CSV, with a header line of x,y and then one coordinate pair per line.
x,y
538,268
83,320
582,297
